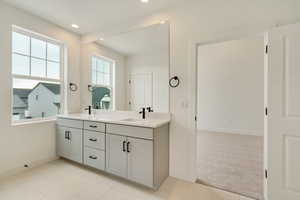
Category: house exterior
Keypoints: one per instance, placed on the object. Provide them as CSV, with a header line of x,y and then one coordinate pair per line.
x,y
44,100
101,98
20,102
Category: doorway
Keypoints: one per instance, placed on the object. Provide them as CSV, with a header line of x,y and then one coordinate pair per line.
x,y
230,112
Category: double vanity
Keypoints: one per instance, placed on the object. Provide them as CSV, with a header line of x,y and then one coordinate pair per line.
x,y
118,143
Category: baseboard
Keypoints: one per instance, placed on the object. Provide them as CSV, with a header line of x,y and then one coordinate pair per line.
x,y
30,166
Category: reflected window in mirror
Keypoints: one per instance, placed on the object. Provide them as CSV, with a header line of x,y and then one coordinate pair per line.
x,y
102,80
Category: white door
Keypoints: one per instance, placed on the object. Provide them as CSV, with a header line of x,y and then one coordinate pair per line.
x,y
75,139
116,155
140,161
284,113
141,91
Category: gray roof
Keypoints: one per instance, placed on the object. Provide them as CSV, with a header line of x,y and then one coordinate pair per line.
x,y
22,93
53,87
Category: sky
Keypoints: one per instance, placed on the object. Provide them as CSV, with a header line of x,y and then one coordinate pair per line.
x,y
25,83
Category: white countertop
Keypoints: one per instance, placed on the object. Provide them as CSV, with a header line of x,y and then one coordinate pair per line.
x,y
153,120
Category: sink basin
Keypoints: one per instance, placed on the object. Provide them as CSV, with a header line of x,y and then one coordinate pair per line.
x,y
132,120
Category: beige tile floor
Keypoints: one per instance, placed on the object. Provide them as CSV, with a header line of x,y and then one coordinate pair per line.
x,y
62,180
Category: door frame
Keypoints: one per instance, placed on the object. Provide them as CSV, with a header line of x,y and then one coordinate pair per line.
x,y
193,62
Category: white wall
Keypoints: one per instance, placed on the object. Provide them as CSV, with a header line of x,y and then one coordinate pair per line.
x,y
231,86
157,64
94,49
31,143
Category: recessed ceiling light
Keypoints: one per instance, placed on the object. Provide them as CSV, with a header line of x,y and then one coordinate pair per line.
x,y
101,39
75,26
144,1
162,22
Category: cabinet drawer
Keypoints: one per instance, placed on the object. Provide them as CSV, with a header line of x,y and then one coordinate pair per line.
x,y
94,158
94,139
70,123
94,126
132,131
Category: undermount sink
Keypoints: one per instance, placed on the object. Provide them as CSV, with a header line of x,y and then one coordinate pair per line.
x,y
132,120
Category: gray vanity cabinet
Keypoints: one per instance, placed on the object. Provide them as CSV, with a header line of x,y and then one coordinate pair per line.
x,y
116,155
130,158
140,161
139,154
69,143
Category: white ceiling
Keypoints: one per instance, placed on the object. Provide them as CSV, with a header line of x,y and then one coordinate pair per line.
x,y
91,15
147,40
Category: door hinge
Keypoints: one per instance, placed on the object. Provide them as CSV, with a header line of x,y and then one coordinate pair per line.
x,y
266,173
267,49
266,111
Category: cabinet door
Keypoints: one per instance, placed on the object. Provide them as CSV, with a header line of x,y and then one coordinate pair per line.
x,y
75,139
116,156
140,161
62,142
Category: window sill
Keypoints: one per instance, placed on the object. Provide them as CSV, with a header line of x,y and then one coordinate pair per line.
x,y
33,121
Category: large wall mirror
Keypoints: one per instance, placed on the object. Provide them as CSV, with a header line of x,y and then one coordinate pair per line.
x,y
130,70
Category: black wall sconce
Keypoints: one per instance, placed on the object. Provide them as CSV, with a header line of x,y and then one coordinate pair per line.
x,y
174,82
73,87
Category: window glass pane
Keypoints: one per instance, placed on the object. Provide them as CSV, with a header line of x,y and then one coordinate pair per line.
x,y
100,66
100,78
38,67
107,67
101,98
20,64
38,48
20,43
106,79
35,99
53,52
53,70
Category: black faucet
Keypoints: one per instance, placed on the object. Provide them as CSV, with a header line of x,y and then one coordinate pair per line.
x,y
143,112
150,109
89,109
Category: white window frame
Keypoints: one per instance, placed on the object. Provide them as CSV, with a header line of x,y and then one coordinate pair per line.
x,y
61,79
111,85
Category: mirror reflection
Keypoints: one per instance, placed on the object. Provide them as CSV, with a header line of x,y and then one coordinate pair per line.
x,y
144,56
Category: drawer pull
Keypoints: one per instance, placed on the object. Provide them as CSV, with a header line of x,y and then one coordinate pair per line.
x,y
93,157
93,139
93,126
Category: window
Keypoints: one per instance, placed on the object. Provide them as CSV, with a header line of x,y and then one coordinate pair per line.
x,y
102,80
36,76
